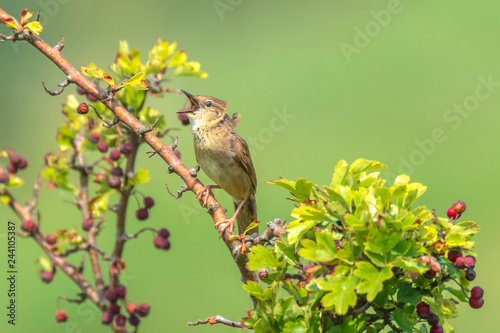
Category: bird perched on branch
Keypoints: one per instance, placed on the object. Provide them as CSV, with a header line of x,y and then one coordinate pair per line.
x,y
224,156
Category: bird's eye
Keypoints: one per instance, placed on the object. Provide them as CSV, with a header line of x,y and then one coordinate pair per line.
x,y
208,104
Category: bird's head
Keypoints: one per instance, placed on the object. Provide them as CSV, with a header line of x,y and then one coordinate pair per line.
x,y
205,110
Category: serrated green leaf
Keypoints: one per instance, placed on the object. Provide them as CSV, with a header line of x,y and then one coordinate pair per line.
x,y
408,294
372,279
342,293
136,81
323,250
355,223
261,257
297,229
255,289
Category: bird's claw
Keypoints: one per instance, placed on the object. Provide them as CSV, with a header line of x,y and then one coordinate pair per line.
x,y
203,192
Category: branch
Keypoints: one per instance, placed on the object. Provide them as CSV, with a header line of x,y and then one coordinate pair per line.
x,y
68,269
83,204
166,152
121,237
216,320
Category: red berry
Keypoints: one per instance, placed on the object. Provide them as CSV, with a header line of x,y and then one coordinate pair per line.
x,y
477,292
142,214
460,263
80,91
459,207
430,274
177,154
83,108
126,148
28,225
121,291
143,309
51,239
102,146
476,303
111,295
114,182
115,155
470,261
452,214
23,164
433,319
149,202
423,309
11,167
470,274
114,309
134,320
183,118
164,233
47,276
87,224
117,172
15,159
107,318
131,307
94,137
161,243
4,178
61,316
454,254
120,320
436,329
91,98
263,274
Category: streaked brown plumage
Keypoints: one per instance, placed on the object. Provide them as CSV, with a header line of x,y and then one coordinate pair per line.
x,y
224,156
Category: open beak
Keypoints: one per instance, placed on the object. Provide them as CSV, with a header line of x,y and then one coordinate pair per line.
x,y
194,103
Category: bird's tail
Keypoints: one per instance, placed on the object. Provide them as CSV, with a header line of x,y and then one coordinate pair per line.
x,y
247,215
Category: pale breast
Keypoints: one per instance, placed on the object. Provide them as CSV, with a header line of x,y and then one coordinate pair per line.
x,y
216,159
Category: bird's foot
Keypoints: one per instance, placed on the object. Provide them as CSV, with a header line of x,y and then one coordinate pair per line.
x,y
203,192
230,222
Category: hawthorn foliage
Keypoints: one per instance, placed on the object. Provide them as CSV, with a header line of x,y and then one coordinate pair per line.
x,y
360,257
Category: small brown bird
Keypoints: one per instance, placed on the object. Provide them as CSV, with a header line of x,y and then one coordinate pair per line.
x,y
224,156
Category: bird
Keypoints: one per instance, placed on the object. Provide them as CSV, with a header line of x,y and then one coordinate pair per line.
x,y
224,157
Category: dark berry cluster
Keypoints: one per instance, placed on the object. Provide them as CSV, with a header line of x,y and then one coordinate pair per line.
x,y
16,163
161,241
424,311
143,212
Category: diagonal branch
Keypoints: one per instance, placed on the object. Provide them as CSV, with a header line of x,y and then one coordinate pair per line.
x,y
166,152
61,263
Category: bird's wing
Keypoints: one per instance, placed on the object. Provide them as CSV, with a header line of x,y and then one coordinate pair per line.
x,y
242,157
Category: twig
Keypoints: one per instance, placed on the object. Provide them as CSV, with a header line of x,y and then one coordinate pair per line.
x,y
131,236
179,191
216,320
61,86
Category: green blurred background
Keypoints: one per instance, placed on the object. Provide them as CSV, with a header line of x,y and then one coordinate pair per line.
x,y
378,96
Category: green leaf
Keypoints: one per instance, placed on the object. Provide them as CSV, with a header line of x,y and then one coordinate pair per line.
x,y
323,250
297,229
136,81
371,278
254,289
361,165
403,319
301,189
342,293
288,251
140,177
98,73
408,294
456,238
261,257
355,223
